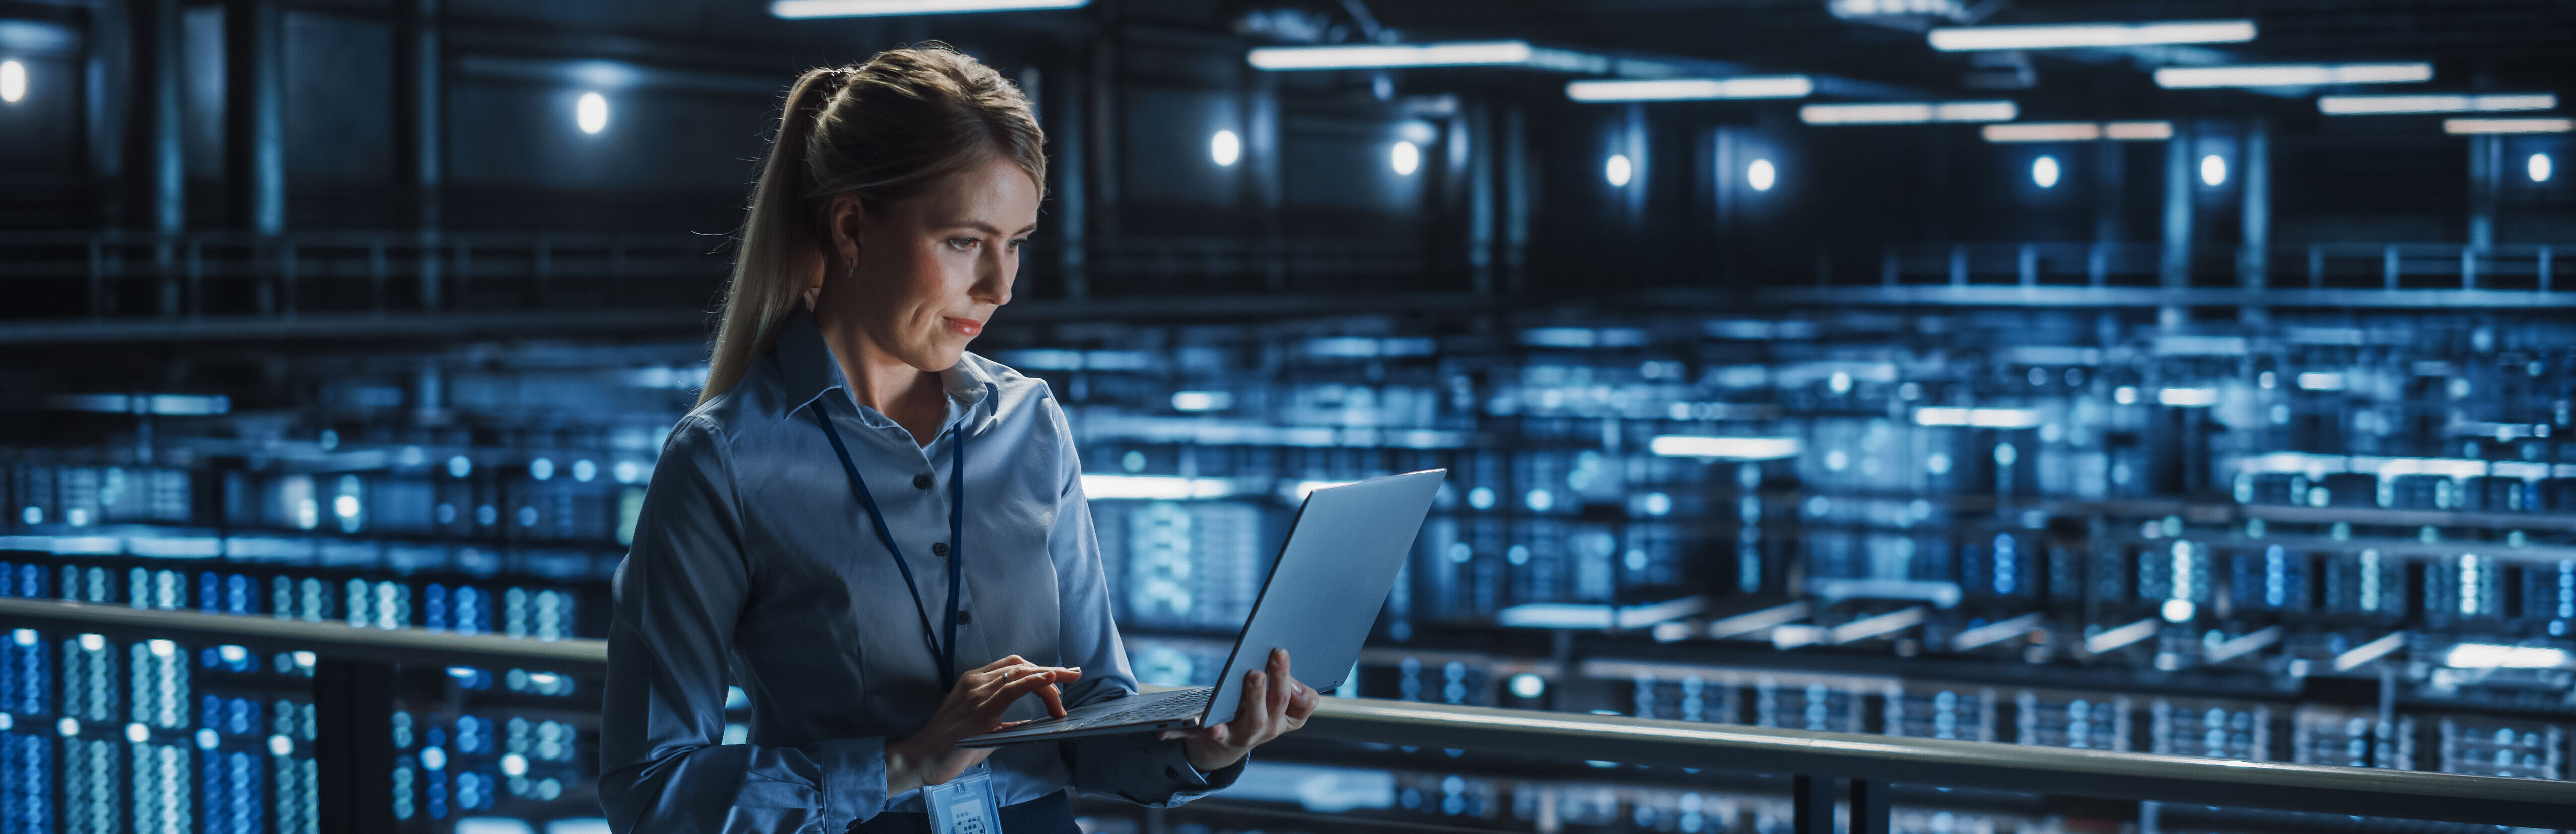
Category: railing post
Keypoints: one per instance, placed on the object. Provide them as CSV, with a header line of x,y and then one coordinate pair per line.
x,y
353,706
97,277
2316,267
376,269
286,274
2097,264
2029,265
1887,267
1959,265
2544,269
2388,266
2468,267
1869,807
1812,801
194,301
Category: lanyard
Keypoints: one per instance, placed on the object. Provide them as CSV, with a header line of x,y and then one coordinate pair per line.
x,y
946,659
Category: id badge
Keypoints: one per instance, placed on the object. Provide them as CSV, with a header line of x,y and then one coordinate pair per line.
x,y
964,805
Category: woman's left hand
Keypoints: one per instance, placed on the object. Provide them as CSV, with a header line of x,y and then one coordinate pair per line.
x,y
1273,704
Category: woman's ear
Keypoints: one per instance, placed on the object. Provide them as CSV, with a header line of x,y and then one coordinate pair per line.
x,y
847,220
843,222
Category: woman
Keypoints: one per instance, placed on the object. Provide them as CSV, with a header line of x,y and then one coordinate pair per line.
x,y
881,538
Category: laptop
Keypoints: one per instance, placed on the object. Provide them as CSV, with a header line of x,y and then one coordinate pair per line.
x,y
1332,577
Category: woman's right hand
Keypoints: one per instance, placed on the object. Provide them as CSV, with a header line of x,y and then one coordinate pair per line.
x,y
973,707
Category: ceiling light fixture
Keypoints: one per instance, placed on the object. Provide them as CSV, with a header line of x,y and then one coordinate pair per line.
x,y
1410,55
802,9
1691,89
2434,103
2464,127
1908,113
2090,35
2292,75
2077,131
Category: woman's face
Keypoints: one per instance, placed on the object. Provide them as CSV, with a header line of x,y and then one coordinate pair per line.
x,y
931,268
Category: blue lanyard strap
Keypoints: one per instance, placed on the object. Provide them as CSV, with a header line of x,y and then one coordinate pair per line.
x,y
947,658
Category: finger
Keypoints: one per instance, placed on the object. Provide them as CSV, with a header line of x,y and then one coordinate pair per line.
x,y
1006,660
1054,698
1010,693
1304,704
1254,712
1282,686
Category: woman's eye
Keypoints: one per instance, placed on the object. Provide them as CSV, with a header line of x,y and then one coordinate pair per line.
x,y
1018,242
961,244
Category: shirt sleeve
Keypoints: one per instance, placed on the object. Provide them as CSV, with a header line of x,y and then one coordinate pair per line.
x,y
1136,767
679,593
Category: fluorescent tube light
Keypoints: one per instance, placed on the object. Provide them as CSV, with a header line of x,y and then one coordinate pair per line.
x,y
1153,487
2043,132
2292,75
1202,400
799,9
2090,35
1691,89
2137,131
2188,397
2320,381
1728,448
1984,418
2493,656
2434,103
1908,113
2474,126
1404,55
2077,131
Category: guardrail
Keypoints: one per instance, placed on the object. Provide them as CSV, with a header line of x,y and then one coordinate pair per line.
x,y
351,685
2121,273
113,274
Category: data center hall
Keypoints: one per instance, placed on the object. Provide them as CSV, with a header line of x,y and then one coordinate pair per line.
x,y
1864,416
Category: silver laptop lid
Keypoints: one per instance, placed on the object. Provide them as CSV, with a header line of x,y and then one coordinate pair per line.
x,y
1332,576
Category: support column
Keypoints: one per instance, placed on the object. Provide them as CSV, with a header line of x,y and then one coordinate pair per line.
x,y
2110,192
419,132
107,70
2254,255
1516,200
2174,267
155,147
1264,151
156,164
254,103
1480,197
1072,169
2484,165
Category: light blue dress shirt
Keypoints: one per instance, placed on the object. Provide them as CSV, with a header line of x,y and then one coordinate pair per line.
x,y
754,564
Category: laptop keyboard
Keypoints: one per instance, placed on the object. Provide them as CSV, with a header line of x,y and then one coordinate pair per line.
x,y
1178,705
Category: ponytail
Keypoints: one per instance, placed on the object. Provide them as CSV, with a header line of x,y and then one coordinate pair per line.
x,y
881,131
779,243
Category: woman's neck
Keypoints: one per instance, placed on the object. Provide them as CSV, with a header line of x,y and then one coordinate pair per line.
x,y
878,379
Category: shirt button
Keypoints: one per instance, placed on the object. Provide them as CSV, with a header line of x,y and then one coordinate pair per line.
x,y
939,549
921,481
965,618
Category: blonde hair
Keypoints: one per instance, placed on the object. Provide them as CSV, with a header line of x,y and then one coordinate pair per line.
x,y
882,131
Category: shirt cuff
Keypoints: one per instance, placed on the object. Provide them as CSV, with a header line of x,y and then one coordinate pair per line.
x,y
1188,780
854,780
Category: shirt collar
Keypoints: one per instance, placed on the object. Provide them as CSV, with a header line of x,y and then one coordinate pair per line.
x,y
806,368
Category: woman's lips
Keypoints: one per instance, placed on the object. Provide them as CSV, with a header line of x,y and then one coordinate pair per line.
x,y
969,327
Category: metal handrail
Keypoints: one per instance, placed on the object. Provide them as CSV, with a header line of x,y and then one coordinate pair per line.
x,y
1865,759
